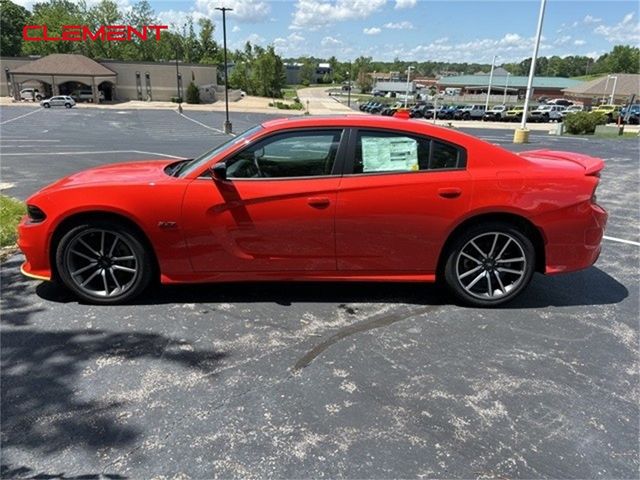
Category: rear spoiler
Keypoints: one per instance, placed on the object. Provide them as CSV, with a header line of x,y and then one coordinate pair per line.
x,y
591,165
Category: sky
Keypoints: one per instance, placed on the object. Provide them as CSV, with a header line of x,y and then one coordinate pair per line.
x,y
415,30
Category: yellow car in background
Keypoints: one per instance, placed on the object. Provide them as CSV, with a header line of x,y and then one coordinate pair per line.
x,y
612,112
515,114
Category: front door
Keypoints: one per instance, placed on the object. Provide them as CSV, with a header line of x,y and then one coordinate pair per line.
x,y
275,212
398,201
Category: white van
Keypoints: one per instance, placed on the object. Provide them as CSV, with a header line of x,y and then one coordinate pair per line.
x,y
32,94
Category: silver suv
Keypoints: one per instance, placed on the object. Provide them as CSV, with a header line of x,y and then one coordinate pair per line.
x,y
548,113
469,112
58,101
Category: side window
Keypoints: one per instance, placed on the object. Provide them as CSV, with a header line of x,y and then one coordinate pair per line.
x,y
292,154
394,152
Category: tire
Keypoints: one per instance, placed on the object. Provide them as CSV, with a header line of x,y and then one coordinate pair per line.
x,y
46,105
67,105
104,262
466,116
486,281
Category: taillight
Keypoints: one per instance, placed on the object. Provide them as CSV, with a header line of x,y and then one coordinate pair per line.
x,y
35,214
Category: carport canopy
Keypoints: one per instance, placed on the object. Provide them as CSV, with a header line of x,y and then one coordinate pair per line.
x,y
60,68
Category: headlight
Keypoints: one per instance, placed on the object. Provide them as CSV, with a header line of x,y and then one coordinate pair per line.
x,y
35,214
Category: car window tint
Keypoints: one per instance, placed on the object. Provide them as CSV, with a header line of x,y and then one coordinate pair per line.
x,y
294,154
394,152
444,156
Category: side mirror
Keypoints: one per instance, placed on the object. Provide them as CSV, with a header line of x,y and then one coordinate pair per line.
x,y
219,172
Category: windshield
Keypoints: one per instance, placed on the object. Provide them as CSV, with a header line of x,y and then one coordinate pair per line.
x,y
544,107
191,165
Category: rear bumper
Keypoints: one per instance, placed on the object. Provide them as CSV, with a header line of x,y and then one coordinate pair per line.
x,y
33,241
573,240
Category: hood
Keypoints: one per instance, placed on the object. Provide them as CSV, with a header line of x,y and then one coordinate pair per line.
x,y
140,172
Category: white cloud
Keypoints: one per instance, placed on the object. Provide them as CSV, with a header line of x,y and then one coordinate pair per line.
x,y
405,4
314,14
441,40
178,18
562,40
579,42
625,31
235,29
330,42
591,19
290,45
399,25
371,31
250,11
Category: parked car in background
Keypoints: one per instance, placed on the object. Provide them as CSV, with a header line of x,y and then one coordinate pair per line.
x,y
548,113
634,114
363,106
612,112
495,113
421,110
389,110
85,95
279,202
58,101
559,101
572,109
32,94
514,114
470,112
448,112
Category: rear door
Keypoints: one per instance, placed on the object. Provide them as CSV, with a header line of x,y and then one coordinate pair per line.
x,y
397,200
275,212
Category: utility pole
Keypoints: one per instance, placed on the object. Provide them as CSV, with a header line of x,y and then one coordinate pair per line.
x,y
493,65
521,135
613,92
349,87
406,93
227,124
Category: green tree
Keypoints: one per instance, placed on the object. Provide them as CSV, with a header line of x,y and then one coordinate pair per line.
x,y
361,68
12,18
193,94
209,49
104,13
307,70
54,14
623,59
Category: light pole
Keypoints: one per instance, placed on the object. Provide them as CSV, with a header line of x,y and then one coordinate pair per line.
x,y
506,86
227,124
604,92
493,65
178,78
349,87
613,91
522,134
406,93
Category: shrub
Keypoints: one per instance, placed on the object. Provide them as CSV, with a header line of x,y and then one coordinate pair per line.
x,y
176,99
581,123
11,211
193,94
305,83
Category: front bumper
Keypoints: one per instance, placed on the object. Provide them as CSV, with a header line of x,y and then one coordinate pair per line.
x,y
33,240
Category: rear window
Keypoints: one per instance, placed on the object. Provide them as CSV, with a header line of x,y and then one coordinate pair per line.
x,y
378,152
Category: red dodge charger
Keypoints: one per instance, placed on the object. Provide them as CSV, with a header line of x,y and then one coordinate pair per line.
x,y
337,198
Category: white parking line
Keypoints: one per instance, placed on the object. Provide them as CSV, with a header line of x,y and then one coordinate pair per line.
x,y
202,124
100,152
29,140
622,240
21,116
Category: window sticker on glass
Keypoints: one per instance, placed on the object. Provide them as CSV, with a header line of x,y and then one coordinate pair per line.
x,y
385,154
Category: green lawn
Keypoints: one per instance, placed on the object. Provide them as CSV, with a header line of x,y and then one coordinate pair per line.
x,y
11,211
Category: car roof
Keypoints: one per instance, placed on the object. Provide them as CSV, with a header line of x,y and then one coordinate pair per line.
x,y
373,121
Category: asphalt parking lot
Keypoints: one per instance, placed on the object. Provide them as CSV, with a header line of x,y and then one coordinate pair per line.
x,y
313,380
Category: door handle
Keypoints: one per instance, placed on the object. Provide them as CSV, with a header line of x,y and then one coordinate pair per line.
x,y
318,202
450,192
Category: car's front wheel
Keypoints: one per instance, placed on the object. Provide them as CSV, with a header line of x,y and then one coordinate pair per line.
x,y
489,265
103,262
46,105
67,105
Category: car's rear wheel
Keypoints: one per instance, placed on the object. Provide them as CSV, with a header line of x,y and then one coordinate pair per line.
x,y
67,105
103,262
46,105
489,265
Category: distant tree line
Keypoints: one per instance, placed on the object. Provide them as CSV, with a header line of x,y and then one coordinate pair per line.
x,y
256,70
